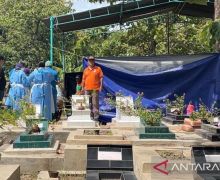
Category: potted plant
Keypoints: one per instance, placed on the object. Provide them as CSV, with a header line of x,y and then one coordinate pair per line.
x,y
204,114
176,106
175,109
193,120
123,106
151,120
150,117
7,117
27,114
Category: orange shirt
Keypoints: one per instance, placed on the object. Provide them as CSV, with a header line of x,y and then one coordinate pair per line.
x,y
92,78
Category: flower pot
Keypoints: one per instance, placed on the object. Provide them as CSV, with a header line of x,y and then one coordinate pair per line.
x,y
145,123
187,128
205,121
195,123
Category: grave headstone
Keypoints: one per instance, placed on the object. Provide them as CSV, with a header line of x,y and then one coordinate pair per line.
x,y
9,172
35,140
156,132
209,131
207,156
123,118
110,162
173,118
80,112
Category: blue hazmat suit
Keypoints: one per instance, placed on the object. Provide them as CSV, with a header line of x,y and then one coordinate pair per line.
x,y
53,83
41,91
19,83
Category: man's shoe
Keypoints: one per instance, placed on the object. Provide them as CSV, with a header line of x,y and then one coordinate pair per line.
x,y
96,118
92,116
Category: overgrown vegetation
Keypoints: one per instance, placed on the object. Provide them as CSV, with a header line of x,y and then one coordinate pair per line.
x,y
24,35
148,117
178,103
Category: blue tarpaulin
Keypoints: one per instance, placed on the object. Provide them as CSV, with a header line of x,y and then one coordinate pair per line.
x,y
161,77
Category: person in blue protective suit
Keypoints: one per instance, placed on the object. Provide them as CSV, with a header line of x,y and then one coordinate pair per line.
x,y
18,85
41,91
21,65
54,73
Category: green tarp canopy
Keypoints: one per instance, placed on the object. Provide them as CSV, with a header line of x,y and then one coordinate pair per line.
x,y
126,12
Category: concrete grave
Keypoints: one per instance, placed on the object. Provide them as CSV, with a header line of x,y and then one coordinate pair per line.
x,y
32,160
110,162
35,140
75,158
209,156
110,136
123,119
9,172
209,131
80,113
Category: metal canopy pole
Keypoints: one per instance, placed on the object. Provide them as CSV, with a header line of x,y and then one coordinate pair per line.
x,y
51,38
168,33
63,55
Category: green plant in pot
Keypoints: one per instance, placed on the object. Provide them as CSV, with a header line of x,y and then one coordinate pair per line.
x,y
194,120
27,113
122,106
176,106
204,114
8,117
150,117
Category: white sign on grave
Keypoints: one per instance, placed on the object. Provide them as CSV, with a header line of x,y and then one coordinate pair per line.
x,y
109,155
215,158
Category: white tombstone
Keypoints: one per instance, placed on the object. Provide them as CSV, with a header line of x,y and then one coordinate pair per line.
x,y
80,116
78,100
122,118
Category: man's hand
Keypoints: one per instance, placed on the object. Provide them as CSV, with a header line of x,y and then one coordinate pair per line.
x,y
100,89
83,90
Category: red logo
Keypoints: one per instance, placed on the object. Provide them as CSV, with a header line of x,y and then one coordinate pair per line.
x,y
164,165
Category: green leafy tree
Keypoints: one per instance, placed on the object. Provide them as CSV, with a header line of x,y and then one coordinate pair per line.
x,y
26,36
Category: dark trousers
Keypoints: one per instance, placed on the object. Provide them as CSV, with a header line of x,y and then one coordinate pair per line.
x,y
94,103
1,95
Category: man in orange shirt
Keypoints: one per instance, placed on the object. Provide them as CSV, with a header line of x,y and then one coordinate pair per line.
x,y
92,85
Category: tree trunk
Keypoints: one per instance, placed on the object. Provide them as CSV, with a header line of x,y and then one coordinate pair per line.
x,y
217,9
217,16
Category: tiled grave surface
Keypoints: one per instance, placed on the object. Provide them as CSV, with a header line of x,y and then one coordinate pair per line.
x,y
9,172
146,157
110,162
45,143
78,137
203,156
35,140
174,119
211,128
95,158
209,132
157,132
110,175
